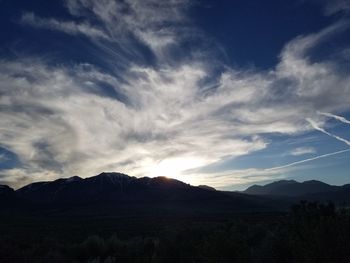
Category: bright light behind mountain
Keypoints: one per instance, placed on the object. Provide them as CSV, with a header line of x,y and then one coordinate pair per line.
x,y
176,168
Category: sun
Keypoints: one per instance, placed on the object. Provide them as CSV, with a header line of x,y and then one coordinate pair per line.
x,y
175,168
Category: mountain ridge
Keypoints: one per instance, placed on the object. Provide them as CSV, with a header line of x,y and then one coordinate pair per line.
x,y
109,191
293,188
120,189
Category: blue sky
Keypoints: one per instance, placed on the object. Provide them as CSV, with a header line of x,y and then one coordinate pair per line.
x,y
224,93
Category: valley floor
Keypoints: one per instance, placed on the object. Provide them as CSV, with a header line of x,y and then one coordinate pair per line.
x,y
309,232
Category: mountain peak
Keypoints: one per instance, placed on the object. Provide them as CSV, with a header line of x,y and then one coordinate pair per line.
x,y
290,188
314,182
5,188
284,182
73,179
112,174
206,187
106,186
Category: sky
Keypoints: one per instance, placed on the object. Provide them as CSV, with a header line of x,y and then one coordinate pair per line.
x,y
222,93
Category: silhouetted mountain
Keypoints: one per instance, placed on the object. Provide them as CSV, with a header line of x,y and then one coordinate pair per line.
x,y
291,188
103,187
118,189
6,191
274,188
207,187
114,191
7,196
309,190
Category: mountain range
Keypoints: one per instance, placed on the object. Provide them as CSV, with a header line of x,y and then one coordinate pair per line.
x,y
113,187
113,192
110,191
308,190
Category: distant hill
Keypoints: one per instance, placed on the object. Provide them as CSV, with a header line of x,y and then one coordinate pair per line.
x,y
291,188
309,190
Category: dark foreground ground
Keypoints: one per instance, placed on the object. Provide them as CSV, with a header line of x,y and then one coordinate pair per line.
x,y
309,232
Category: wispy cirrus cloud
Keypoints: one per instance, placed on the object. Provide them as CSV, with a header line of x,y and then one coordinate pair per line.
x,y
302,151
244,176
318,128
156,24
338,118
172,116
68,27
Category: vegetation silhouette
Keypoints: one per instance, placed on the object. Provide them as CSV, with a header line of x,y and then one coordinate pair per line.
x,y
309,232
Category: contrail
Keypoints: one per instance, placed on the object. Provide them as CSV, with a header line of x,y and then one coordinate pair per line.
x,y
276,168
307,160
330,115
316,127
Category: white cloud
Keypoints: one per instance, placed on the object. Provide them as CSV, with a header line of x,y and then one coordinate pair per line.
x,y
302,151
318,128
306,160
157,24
339,118
69,27
59,121
54,124
237,177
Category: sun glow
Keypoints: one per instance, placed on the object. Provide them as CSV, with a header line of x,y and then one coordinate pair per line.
x,y
175,168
